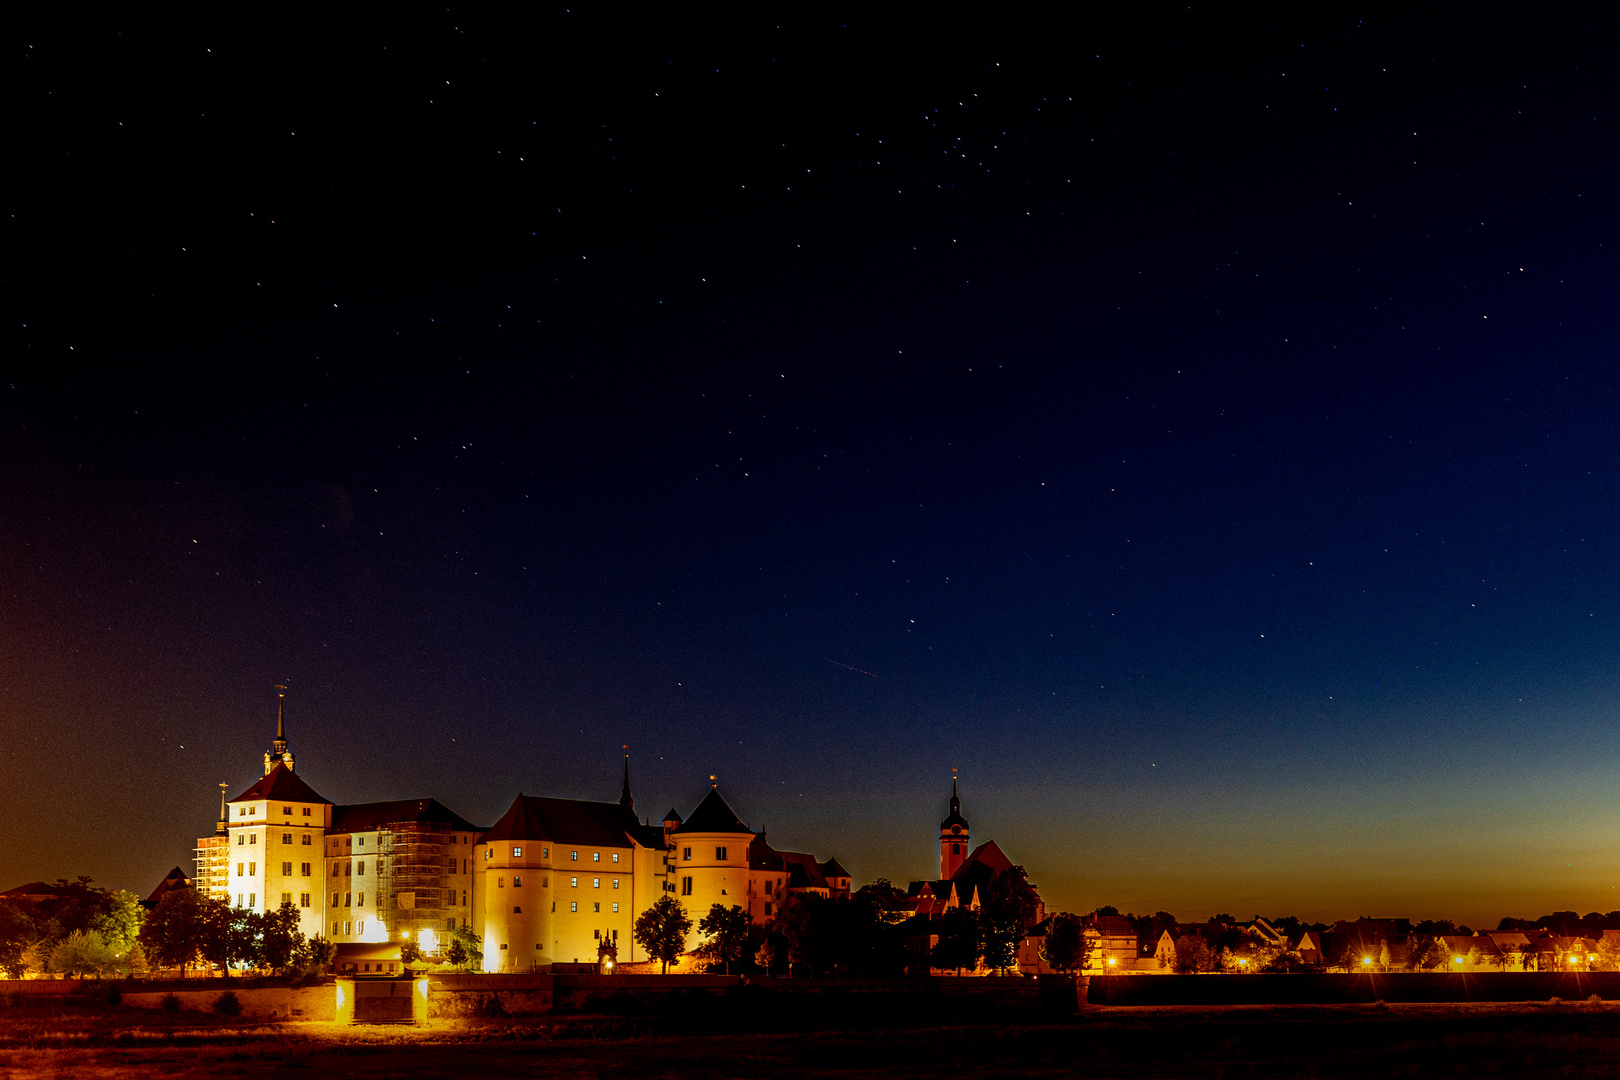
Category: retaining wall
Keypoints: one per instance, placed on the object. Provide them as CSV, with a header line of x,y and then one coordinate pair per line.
x,y
1410,987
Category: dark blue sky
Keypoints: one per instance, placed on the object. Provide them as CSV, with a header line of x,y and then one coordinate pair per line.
x,y
1200,430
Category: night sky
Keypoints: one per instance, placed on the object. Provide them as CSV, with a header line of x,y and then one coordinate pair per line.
x,y
1199,430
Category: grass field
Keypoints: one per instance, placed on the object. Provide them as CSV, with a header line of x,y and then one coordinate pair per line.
x,y
1553,1040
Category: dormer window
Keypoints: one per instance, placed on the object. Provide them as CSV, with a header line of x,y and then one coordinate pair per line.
x,y
286,809
517,853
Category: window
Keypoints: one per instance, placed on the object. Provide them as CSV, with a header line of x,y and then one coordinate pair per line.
x,y
303,899
348,869
517,881
306,811
517,910
360,926
573,856
487,854
361,869
286,869
286,898
463,901
615,907
720,854
500,883
238,899
517,853
686,886
615,883
767,907
463,866
686,854
956,849
573,905
615,856
253,899
238,869
596,856
767,887
286,809
346,927
304,840
573,882
241,811
598,934
348,899
362,841
337,869
334,904
596,883
503,945
596,907
286,838
253,811
545,882
253,869
241,838
303,869
545,853
537,946
253,838
360,899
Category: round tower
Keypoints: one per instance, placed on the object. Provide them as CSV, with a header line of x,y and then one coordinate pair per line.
x,y
953,837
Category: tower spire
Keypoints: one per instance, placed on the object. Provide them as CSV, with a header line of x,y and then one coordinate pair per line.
x,y
224,820
624,793
279,753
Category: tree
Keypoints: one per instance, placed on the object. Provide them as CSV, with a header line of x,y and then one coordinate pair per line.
x,y
120,922
796,924
18,932
726,929
1066,947
1010,910
472,947
280,940
173,931
315,954
662,930
1608,952
1193,954
84,952
961,940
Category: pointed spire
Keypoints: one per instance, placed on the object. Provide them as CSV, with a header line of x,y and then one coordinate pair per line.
x,y
278,753
625,800
956,803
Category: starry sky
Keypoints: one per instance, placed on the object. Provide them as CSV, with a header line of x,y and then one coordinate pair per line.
x,y
1198,429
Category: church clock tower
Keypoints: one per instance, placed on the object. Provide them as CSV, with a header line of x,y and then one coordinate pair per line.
x,y
953,837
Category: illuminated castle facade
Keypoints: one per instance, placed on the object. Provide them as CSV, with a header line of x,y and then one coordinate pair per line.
x,y
552,880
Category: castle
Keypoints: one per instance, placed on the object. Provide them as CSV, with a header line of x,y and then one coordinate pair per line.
x,y
553,880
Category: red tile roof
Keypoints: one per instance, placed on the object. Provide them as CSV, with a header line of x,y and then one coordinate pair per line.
x,y
281,783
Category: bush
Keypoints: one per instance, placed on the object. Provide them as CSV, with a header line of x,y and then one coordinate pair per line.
x,y
170,1003
227,1004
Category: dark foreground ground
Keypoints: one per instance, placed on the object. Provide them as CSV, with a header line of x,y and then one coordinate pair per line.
x,y
1185,1041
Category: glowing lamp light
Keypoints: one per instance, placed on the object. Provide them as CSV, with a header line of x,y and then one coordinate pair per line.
x,y
1112,961
404,935
428,940
1574,959
1456,959
1365,960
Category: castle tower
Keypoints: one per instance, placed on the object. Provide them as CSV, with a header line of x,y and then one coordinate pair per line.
x,y
278,752
953,837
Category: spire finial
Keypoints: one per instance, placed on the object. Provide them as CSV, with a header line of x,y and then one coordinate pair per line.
x,y
625,799
223,819
713,782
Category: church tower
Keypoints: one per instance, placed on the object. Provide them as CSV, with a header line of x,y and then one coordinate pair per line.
x,y
953,837
278,752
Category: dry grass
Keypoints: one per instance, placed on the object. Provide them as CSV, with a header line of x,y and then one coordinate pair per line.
x,y
1188,1041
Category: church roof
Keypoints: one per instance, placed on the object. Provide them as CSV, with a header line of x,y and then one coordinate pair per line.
x,y
833,868
176,879
567,821
283,784
988,855
713,815
363,817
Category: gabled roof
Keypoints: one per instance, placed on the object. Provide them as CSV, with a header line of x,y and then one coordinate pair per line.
x,y
566,821
713,815
281,783
833,869
988,855
34,890
364,817
672,816
176,879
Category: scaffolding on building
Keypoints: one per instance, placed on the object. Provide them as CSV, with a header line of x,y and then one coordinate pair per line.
x,y
214,866
414,877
